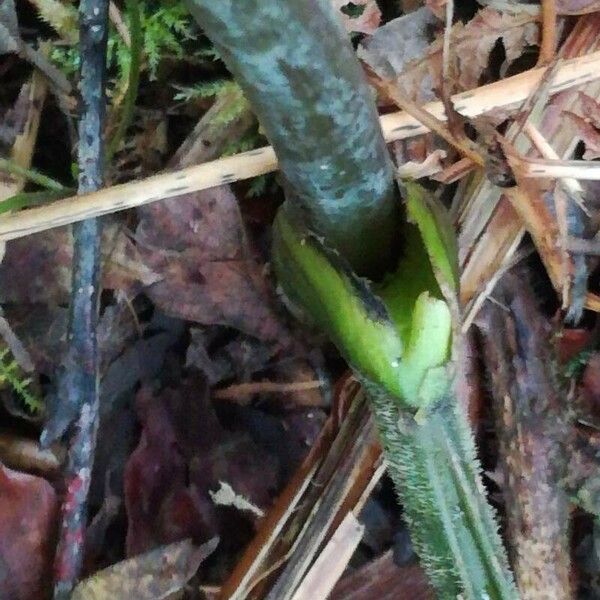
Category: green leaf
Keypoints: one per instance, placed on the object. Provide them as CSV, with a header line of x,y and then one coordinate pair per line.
x,y
437,233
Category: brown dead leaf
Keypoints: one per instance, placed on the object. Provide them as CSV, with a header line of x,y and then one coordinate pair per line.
x,y
197,245
588,125
28,510
577,7
38,268
382,578
475,40
471,45
588,134
156,575
590,108
362,16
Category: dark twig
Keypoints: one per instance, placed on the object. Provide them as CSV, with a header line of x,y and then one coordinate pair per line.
x,y
80,384
533,425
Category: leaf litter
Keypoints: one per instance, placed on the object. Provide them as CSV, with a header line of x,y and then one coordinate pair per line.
x,y
189,305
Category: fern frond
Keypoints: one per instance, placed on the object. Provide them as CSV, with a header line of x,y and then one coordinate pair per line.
x,y
10,375
61,16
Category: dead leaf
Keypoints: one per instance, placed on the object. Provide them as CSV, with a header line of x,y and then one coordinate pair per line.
x,y
590,386
398,44
396,50
590,108
572,342
197,245
473,42
383,578
38,268
471,45
362,16
577,7
183,453
236,360
14,119
155,575
587,126
588,134
28,511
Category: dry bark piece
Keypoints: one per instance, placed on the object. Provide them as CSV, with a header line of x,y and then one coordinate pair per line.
x,y
533,426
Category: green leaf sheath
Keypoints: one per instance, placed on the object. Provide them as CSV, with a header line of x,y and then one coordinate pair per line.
x,y
297,68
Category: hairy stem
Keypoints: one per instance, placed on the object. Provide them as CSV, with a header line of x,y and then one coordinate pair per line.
x,y
433,465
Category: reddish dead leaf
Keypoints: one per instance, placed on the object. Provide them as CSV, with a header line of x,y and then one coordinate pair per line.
x,y
28,510
590,385
383,579
197,245
572,342
38,268
183,453
362,16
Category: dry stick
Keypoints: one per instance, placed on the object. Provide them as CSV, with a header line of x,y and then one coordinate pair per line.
x,y
548,44
242,392
79,387
502,94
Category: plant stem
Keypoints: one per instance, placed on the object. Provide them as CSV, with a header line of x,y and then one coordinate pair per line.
x,y
298,70
433,465
80,383
136,43
42,180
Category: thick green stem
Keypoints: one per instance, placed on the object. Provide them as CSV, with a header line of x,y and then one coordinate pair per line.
x,y
296,66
